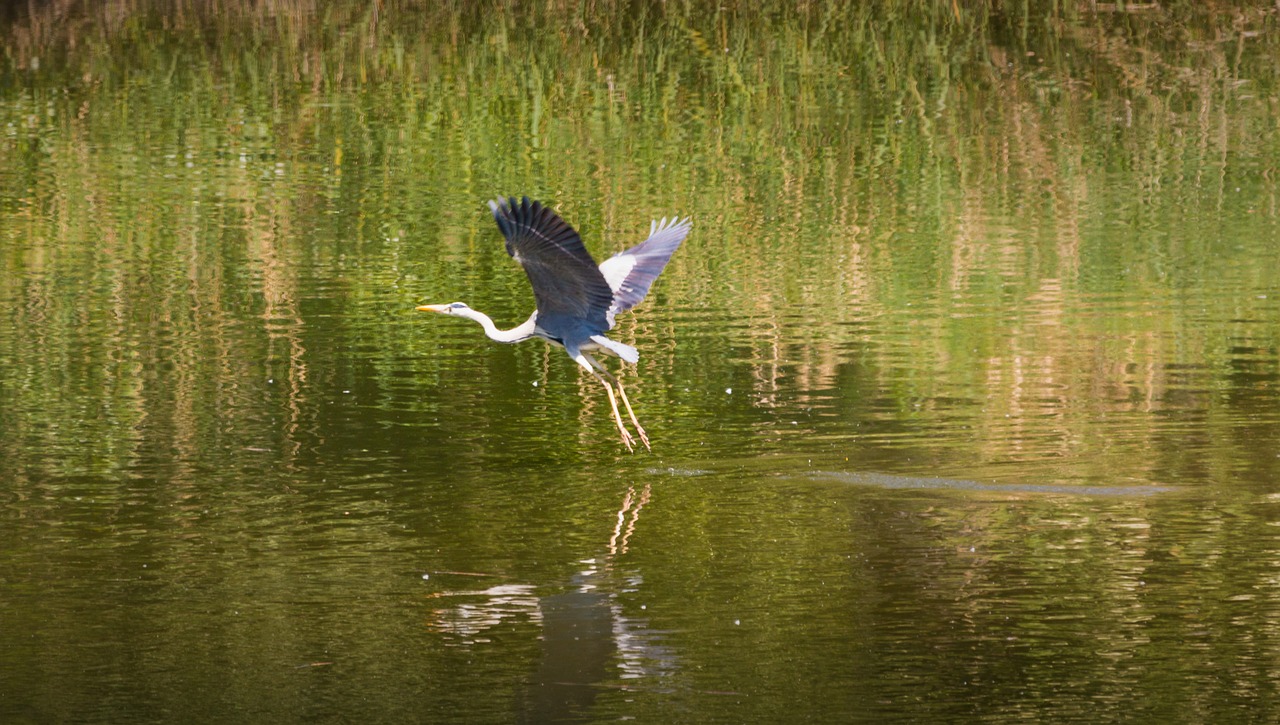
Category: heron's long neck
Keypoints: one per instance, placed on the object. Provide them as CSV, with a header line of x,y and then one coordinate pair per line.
x,y
515,334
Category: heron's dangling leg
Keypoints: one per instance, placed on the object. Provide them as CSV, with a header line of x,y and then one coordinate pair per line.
x,y
627,403
639,429
613,404
585,361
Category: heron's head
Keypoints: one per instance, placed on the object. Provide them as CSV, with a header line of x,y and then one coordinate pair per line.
x,y
453,308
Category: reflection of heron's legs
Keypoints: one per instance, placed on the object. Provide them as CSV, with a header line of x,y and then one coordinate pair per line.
x,y
631,524
622,518
585,361
609,376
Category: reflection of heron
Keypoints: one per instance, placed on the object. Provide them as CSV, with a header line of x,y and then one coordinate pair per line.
x,y
587,640
576,299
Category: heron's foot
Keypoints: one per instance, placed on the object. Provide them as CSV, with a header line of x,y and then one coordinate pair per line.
x,y
643,438
627,440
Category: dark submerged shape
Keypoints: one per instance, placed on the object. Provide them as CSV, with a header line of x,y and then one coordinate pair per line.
x,y
577,299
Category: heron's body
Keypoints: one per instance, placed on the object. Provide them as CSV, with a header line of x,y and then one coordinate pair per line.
x,y
577,300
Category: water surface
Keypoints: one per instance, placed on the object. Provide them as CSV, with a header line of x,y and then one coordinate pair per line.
x,y
964,391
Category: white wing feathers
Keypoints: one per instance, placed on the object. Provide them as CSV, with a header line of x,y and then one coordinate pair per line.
x,y
630,274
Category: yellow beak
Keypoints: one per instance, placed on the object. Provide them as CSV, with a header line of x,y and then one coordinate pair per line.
x,y
432,308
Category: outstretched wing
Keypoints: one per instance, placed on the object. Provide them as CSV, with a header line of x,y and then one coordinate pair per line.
x,y
572,295
629,274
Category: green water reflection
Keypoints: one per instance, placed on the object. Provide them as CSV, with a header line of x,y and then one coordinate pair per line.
x,y
1026,258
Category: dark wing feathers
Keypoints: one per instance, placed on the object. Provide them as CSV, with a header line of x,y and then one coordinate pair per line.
x,y
572,295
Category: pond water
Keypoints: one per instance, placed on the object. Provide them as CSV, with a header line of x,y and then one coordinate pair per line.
x,y
964,391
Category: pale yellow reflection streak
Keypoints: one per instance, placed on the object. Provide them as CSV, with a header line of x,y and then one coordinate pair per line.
x,y
270,236
626,519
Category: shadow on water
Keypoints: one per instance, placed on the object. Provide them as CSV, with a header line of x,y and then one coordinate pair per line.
x,y
881,480
890,481
577,650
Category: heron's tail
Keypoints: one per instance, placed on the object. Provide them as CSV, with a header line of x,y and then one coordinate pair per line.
x,y
622,350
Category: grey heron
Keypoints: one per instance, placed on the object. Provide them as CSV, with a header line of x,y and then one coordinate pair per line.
x,y
577,300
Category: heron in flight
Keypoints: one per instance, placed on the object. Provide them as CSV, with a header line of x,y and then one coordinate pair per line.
x,y
577,300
